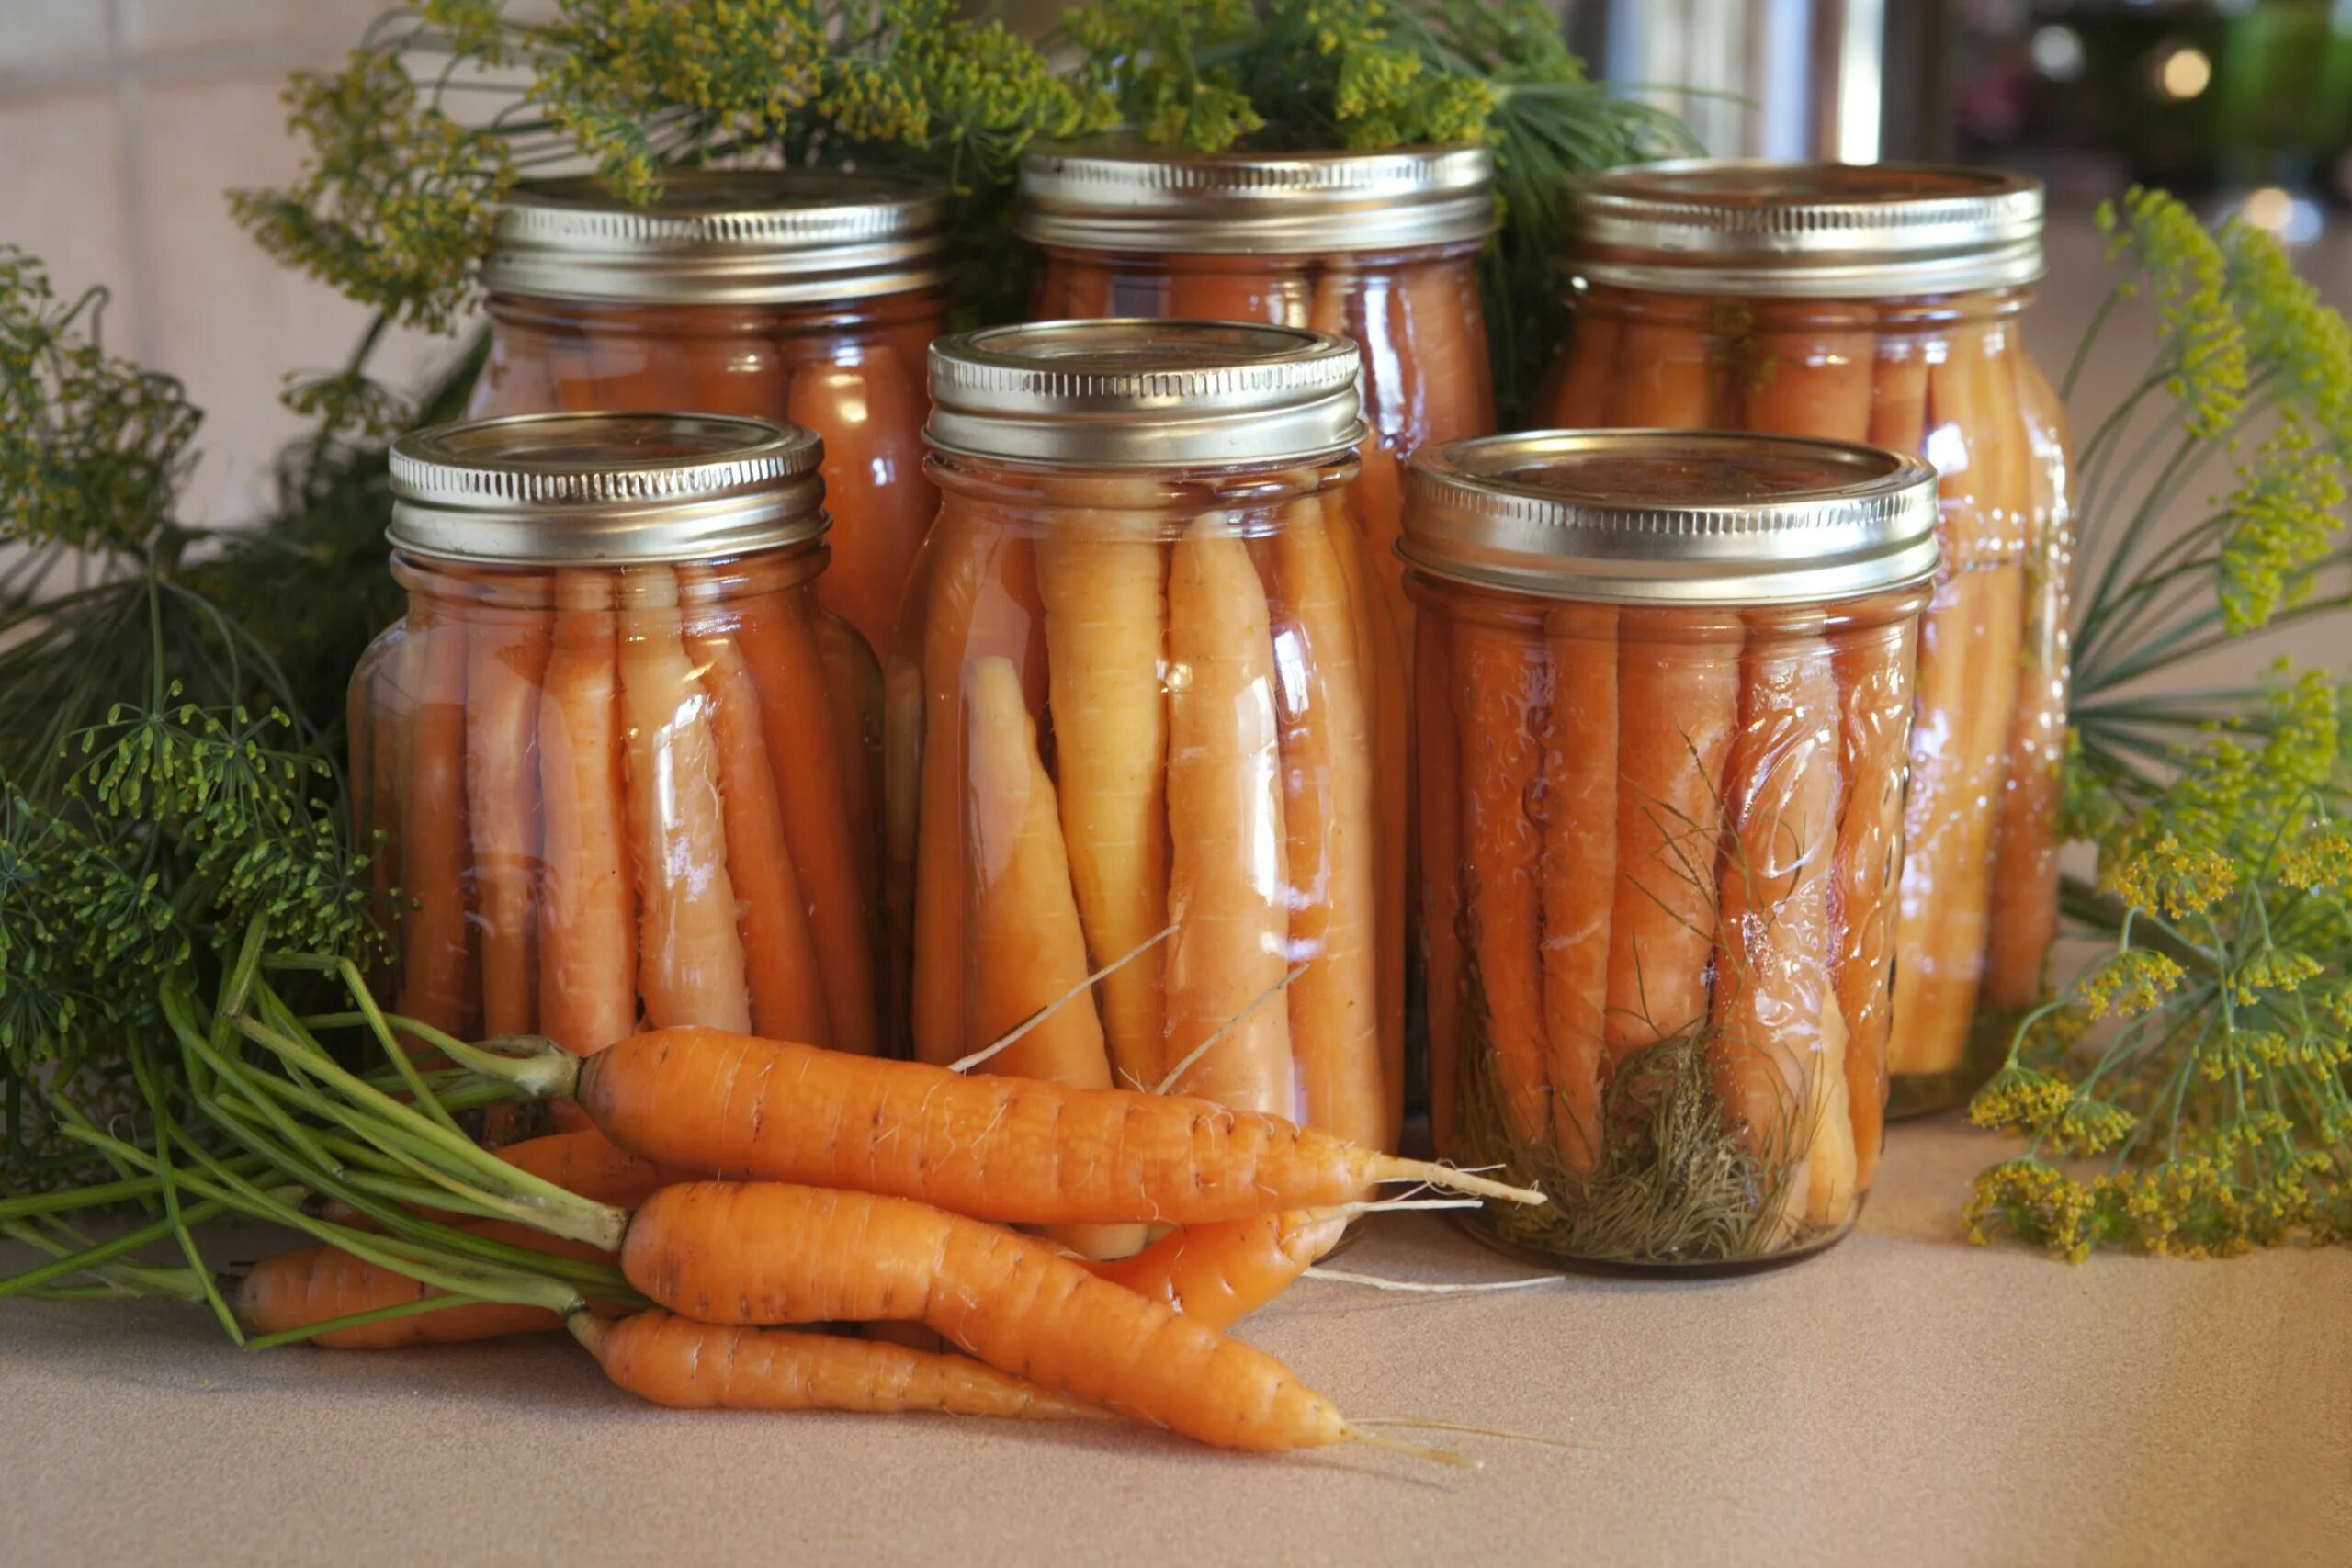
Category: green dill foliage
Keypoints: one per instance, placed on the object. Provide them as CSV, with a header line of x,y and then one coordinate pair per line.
x,y
2189,1092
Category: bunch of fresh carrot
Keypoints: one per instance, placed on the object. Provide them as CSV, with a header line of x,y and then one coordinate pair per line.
x,y
613,795
1950,380
1137,732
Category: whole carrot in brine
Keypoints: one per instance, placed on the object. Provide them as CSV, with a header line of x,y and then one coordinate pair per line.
x,y
1103,580
1578,869
1235,289
870,412
1579,396
1899,387
436,948
1664,374
1228,1031
1438,815
1678,706
854,696
1505,688
1815,370
690,960
505,668
587,926
1873,666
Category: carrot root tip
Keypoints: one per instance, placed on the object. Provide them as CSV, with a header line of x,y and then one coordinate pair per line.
x,y
1389,1168
1356,1432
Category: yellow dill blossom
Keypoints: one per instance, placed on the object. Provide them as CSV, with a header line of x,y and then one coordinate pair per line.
x,y
2272,970
2019,1100
2133,981
2087,1125
2187,277
2035,1202
2173,880
2283,519
2323,860
2241,1053
2289,331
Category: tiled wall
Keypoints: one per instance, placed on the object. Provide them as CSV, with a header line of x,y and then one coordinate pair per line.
x,y
122,124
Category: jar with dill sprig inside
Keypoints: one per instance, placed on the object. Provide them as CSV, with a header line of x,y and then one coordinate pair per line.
x,y
1880,303
1663,702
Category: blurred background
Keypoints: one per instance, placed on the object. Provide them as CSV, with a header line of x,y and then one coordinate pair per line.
x,y
122,123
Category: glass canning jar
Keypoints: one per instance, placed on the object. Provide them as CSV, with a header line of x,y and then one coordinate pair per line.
x,y
1880,303
601,758
1665,685
1130,725
801,295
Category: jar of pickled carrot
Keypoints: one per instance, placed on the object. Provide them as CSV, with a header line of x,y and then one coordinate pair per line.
x,y
1136,817
1380,248
1881,303
1663,700
601,763
802,296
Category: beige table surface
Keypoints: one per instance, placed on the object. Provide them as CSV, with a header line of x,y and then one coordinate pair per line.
x,y
1906,1398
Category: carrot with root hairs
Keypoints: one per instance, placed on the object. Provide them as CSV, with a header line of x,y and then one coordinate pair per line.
x,y
1873,668
1028,951
1506,687
436,950
1579,868
1219,1274
587,905
812,783
1333,852
686,1365
506,670
1677,704
1439,816
690,961
2024,918
1105,599
1229,1037
781,971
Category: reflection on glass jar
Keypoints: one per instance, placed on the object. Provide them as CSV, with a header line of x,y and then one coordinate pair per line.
x,y
1880,304
604,762
805,297
1132,728
1665,685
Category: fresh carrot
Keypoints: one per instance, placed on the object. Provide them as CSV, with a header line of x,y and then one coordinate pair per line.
x,y
686,1365
1505,688
1874,667
436,951
690,960
1772,986
309,1285
507,667
583,1162
1228,1036
1333,849
1218,1274
1815,374
1579,868
870,412
1105,599
587,917
1437,761
2024,918
1678,703
781,970
813,783
1579,397
999,1148
1969,642
1006,1299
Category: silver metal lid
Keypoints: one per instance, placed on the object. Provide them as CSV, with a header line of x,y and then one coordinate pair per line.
x,y
721,236
1672,516
586,489
1856,231
1121,393
1121,198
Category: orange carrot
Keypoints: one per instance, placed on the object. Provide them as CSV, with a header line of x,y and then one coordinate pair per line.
x,y
1874,667
1663,375
1815,370
437,959
2024,918
1773,967
638,368
1230,288
583,1162
1579,870
1225,1031
1899,389
788,673
1678,703
587,908
507,666
1443,332
317,1284
1579,397
1505,687
999,1148
690,961
686,1365
853,698
1834,1158
516,377
1333,850
870,412
1218,1274
1106,612
1438,760
1010,1301
781,971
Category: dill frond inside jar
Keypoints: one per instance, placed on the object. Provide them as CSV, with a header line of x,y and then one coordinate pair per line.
x,y
1664,697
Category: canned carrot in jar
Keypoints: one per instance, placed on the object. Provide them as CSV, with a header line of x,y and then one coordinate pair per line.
x,y
602,762
801,295
1130,725
1664,697
1880,303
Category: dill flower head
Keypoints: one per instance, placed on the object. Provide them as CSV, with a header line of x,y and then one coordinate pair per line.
x,y
2173,880
2133,981
2283,519
2289,334
2187,277
2019,1099
2035,1202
